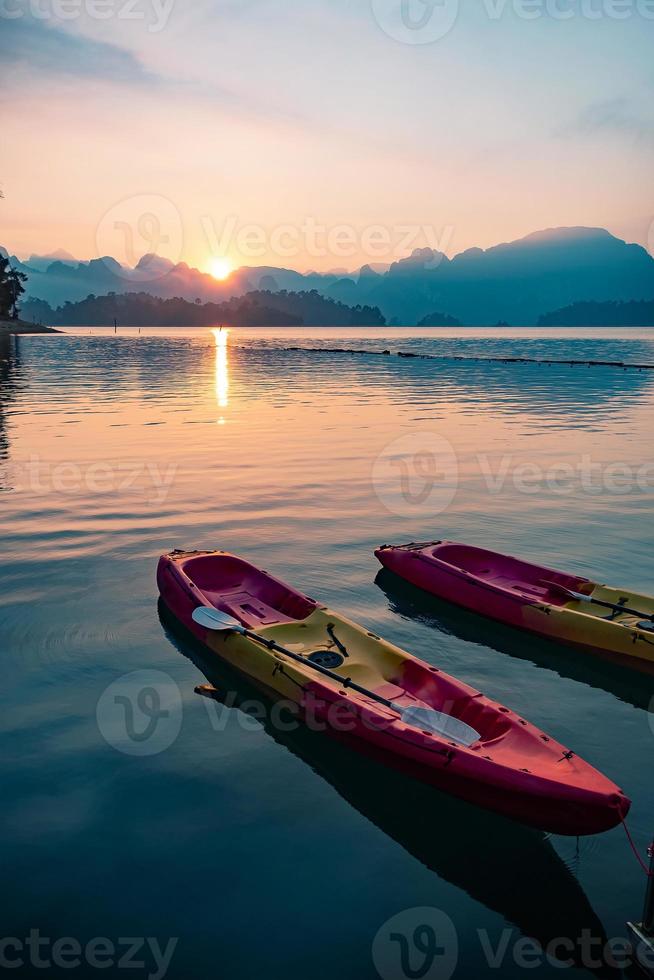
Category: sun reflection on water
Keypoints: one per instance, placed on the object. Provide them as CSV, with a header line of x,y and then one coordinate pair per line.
x,y
222,370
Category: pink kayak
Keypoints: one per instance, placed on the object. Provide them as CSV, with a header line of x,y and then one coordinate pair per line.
x,y
380,700
570,609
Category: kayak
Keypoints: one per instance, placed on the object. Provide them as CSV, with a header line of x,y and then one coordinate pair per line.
x,y
562,607
510,767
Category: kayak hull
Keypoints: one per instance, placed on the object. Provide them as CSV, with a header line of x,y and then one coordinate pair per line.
x,y
524,595
514,768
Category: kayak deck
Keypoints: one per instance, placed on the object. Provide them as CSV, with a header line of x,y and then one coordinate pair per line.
x,y
388,672
528,596
280,613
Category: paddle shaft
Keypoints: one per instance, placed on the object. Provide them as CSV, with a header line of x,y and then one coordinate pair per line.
x,y
599,602
419,716
618,608
345,681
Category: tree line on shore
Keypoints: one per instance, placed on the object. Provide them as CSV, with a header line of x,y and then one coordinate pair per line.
x,y
259,308
265,308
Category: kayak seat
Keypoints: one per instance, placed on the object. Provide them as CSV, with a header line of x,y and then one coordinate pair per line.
x,y
247,608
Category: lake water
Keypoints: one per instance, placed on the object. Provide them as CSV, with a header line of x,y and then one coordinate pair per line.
x,y
278,854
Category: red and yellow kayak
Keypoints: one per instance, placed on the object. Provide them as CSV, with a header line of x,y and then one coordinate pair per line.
x,y
511,767
554,604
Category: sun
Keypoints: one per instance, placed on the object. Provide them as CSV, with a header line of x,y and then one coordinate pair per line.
x,y
220,268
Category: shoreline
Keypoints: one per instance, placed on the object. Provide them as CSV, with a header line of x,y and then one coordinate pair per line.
x,y
21,327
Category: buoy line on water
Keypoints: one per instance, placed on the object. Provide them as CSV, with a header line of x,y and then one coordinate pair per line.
x,y
624,365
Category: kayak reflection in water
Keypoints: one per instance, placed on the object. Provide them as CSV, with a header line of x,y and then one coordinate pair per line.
x,y
511,869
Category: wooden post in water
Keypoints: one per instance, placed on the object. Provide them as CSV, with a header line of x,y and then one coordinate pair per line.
x,y
648,913
642,933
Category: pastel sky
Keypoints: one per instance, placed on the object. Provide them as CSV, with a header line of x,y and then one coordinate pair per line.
x,y
321,133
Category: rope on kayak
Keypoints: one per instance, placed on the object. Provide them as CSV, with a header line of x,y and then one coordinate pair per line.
x,y
650,874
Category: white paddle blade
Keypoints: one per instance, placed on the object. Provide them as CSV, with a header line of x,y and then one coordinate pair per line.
x,y
436,721
568,593
214,619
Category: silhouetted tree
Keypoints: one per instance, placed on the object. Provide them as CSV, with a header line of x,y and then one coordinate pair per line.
x,y
11,289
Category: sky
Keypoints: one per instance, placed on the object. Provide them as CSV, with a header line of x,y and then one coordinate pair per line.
x,y
321,134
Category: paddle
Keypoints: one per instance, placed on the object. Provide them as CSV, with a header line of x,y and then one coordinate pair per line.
x,y
423,718
580,597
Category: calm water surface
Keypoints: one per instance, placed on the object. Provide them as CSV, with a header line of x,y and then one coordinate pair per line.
x,y
273,854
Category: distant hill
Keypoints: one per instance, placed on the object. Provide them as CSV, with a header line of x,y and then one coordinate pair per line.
x,y
514,282
255,309
635,313
439,320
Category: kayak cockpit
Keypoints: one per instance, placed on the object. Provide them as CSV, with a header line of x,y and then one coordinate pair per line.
x,y
439,691
249,594
510,574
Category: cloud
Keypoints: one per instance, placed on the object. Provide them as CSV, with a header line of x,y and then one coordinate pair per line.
x,y
610,116
32,43
45,51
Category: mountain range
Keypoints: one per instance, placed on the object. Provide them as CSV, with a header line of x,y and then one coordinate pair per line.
x,y
516,282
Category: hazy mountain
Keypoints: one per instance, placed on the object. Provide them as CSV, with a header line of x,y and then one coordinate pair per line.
x,y
515,282
59,280
42,262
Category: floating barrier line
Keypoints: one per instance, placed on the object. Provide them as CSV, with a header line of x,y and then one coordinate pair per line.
x,y
624,365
